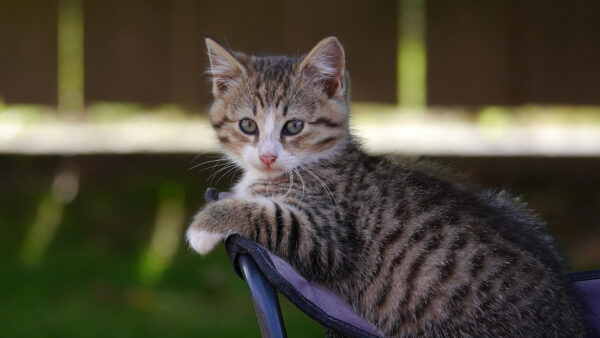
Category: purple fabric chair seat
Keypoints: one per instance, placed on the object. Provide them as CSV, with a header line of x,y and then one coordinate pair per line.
x,y
333,312
313,299
587,285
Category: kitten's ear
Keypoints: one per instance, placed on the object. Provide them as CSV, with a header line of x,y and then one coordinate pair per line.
x,y
325,63
224,68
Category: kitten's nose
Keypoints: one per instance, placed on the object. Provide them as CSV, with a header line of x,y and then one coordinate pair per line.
x,y
268,159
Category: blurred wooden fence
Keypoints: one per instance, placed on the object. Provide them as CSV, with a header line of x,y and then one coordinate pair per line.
x,y
478,52
28,51
513,52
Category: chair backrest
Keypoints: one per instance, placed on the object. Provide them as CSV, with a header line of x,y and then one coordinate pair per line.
x,y
317,302
266,274
587,285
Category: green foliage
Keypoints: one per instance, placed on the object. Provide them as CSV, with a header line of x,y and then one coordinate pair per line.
x,y
88,283
89,280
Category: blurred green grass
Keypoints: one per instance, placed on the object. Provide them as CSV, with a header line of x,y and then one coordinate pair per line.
x,y
79,292
88,281
88,284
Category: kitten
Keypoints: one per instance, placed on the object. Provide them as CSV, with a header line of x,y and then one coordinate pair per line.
x,y
414,254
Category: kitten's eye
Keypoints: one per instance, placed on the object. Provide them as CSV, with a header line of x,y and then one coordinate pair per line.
x,y
248,126
292,127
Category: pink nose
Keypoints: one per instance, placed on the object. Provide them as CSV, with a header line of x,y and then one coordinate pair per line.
x,y
268,159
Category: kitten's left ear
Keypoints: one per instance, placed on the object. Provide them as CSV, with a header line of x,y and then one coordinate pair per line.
x,y
325,63
224,68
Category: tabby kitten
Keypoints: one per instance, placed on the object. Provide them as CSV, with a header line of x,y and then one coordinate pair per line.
x,y
414,254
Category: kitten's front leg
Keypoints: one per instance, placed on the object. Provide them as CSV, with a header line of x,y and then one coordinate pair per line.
x,y
220,218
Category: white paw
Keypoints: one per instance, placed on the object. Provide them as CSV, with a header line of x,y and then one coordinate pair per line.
x,y
201,241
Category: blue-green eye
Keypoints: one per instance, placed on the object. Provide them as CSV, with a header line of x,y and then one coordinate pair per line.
x,y
292,127
248,126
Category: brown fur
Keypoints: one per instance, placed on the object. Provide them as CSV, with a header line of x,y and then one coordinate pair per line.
x,y
413,253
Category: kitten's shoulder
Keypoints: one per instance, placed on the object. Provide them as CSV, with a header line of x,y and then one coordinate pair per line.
x,y
433,169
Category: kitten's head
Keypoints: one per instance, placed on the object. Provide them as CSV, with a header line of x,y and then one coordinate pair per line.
x,y
274,113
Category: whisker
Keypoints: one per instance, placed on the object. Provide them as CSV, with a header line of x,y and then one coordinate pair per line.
x,y
225,173
211,161
234,172
301,179
291,176
214,166
232,169
226,167
320,181
207,162
196,157
210,156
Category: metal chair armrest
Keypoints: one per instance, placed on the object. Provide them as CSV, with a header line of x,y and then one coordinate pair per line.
x,y
264,298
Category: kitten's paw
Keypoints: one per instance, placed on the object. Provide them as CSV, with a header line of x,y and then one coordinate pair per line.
x,y
202,241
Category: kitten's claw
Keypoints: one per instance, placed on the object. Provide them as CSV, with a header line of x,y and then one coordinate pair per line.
x,y
201,241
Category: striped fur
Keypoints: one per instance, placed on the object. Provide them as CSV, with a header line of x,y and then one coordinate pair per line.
x,y
413,253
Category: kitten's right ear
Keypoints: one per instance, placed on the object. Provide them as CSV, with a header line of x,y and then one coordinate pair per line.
x,y
224,68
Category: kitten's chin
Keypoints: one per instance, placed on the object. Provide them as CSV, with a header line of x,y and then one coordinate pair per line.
x,y
267,173
271,173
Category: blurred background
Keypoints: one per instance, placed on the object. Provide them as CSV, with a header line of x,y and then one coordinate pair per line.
x,y
104,139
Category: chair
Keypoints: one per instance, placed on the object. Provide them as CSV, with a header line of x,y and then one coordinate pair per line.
x,y
266,274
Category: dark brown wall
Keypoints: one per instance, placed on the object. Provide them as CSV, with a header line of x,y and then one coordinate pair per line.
x,y
153,51
513,52
126,51
28,51
479,52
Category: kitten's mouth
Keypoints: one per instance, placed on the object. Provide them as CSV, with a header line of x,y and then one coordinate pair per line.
x,y
271,172
269,168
